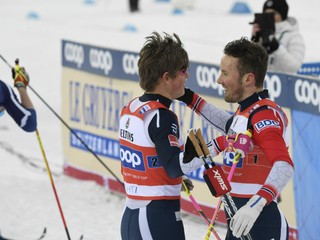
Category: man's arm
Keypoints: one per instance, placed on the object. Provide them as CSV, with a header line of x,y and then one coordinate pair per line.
x,y
22,112
25,99
216,117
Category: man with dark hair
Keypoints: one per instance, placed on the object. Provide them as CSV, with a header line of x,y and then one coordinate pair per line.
x,y
261,176
23,113
285,44
149,131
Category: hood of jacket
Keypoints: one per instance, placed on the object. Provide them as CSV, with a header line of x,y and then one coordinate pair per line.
x,y
290,24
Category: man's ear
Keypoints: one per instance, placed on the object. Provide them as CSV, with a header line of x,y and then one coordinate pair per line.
x,y
165,76
249,79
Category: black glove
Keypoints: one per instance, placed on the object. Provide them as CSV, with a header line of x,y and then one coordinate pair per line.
x,y
188,183
189,151
187,97
270,43
257,38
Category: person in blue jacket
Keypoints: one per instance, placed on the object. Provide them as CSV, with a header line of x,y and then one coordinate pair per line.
x,y
21,111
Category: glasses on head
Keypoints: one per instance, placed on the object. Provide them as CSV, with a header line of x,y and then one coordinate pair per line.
x,y
184,71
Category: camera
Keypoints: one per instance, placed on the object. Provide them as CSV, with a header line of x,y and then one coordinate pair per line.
x,y
266,24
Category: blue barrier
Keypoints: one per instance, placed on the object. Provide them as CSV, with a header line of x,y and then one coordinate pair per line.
x,y
310,69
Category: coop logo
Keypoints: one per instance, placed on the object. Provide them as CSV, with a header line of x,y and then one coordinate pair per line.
x,y
228,159
273,84
131,158
100,59
307,92
130,63
74,53
207,78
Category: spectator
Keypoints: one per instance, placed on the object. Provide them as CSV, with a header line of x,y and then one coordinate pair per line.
x,y
285,46
23,113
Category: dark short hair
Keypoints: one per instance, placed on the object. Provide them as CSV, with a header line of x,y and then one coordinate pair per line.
x,y
159,55
253,58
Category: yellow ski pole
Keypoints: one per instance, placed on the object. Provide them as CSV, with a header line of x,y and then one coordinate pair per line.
x,y
52,183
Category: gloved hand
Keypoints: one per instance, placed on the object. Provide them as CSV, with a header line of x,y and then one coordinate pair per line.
x,y
245,217
20,76
270,43
239,143
189,158
187,181
189,150
187,97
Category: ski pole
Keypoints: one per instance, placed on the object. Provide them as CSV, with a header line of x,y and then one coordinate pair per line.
x,y
47,167
80,139
216,212
203,152
226,199
206,153
200,211
69,128
52,183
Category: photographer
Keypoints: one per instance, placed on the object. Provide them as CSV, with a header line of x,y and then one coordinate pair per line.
x,y
280,37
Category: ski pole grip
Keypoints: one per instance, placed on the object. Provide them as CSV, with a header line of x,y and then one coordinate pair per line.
x,y
195,143
203,144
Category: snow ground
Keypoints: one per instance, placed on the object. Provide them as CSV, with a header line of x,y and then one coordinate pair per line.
x,y
32,30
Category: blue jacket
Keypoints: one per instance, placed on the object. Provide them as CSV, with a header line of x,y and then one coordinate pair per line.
x,y
25,118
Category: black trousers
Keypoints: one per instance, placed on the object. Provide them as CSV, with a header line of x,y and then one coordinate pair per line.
x,y
159,220
271,223
134,5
